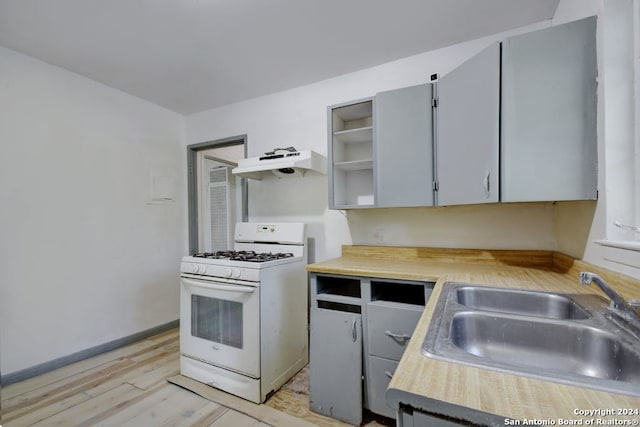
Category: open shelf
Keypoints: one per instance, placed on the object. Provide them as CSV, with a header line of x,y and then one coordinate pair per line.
x,y
350,136
342,286
351,144
354,165
404,292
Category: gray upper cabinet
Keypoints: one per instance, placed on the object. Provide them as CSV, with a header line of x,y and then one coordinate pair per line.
x,y
468,131
404,153
548,147
380,150
515,123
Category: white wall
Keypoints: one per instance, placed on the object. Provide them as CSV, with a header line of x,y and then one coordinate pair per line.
x,y
83,258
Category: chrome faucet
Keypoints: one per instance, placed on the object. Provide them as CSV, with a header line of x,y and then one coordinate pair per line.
x,y
618,304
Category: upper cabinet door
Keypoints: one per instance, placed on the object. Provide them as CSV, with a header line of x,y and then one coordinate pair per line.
x,y
404,153
468,131
549,149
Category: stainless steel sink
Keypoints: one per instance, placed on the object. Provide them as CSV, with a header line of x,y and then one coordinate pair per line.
x,y
567,347
556,337
514,301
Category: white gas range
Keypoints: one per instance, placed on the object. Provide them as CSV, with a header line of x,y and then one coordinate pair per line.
x,y
243,313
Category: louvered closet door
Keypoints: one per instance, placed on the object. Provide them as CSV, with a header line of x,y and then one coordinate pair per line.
x,y
219,209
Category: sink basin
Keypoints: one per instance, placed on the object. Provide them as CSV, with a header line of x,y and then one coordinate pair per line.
x,y
570,347
542,304
565,338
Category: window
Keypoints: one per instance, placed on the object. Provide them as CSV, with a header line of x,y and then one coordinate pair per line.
x,y
621,63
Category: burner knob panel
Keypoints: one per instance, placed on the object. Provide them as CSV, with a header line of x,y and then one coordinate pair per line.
x,y
233,273
198,268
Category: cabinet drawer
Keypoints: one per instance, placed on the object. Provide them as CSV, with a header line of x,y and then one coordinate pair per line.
x,y
390,326
377,383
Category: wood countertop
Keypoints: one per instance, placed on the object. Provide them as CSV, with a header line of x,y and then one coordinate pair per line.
x,y
472,393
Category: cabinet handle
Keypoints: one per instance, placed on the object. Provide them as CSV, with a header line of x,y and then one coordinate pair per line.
x,y
487,185
388,374
400,337
354,331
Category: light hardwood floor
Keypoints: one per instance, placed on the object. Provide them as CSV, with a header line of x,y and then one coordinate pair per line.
x,y
129,387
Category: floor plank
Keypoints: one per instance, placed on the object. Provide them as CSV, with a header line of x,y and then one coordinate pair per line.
x,y
87,410
129,351
169,406
49,399
264,413
130,386
236,419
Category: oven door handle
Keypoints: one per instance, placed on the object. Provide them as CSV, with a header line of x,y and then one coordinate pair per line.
x,y
229,288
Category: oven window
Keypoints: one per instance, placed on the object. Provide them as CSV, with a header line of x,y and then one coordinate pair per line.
x,y
216,320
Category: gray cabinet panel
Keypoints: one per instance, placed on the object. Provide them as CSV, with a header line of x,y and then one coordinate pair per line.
x,y
422,419
549,114
468,130
404,152
381,371
335,364
390,326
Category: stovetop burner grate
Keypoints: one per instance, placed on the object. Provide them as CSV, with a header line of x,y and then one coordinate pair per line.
x,y
248,256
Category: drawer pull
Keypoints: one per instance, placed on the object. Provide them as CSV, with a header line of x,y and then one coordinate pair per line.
x,y
388,374
397,337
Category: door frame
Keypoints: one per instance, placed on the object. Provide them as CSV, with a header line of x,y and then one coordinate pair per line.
x,y
192,183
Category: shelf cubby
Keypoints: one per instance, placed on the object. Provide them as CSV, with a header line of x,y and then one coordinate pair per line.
x,y
351,144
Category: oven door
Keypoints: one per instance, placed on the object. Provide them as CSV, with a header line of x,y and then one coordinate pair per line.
x,y
220,323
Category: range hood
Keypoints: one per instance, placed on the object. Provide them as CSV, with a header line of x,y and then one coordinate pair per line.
x,y
283,162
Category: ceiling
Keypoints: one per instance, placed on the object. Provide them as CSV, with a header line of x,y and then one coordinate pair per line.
x,y
193,55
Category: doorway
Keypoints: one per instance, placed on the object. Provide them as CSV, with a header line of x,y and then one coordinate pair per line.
x,y
217,198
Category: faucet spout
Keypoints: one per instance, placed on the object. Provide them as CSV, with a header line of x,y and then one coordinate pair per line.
x,y
617,302
616,299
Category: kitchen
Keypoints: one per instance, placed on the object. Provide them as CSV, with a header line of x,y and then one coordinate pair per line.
x,y
81,208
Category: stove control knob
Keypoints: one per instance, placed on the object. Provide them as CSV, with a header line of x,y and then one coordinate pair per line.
x,y
236,273
228,272
194,268
202,269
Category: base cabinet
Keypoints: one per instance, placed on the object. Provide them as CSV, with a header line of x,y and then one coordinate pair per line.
x,y
335,361
408,417
360,327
